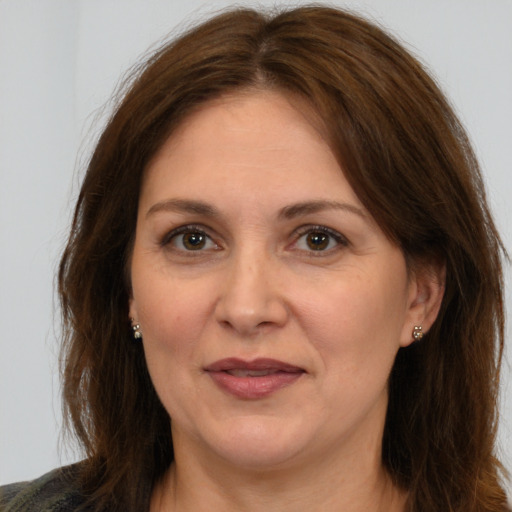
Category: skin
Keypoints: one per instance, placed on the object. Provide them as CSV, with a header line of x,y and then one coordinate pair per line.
x,y
255,286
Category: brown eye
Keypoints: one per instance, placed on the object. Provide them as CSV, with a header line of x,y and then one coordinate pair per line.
x,y
193,241
317,241
189,239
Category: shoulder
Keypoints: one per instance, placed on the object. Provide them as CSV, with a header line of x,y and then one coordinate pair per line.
x,y
55,491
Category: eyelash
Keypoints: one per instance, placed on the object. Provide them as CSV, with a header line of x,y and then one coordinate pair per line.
x,y
183,230
299,233
335,235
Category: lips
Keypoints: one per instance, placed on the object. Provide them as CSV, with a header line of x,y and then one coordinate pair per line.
x,y
253,379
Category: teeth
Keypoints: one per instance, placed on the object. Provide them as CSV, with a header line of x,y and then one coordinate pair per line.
x,y
250,373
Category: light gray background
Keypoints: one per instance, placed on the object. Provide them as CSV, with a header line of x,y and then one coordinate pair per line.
x,y
59,63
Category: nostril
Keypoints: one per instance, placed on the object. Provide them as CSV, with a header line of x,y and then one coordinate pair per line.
x,y
226,324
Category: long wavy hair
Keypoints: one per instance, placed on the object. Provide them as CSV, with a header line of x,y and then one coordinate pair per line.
x,y
408,159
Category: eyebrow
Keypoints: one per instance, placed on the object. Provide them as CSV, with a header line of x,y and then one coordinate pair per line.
x,y
309,207
288,212
184,206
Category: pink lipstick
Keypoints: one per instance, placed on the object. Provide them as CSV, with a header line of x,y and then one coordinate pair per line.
x,y
255,379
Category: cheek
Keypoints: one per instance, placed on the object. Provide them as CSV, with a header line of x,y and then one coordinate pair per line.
x,y
174,322
357,323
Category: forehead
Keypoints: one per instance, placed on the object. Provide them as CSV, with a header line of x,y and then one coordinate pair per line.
x,y
243,108
250,139
258,121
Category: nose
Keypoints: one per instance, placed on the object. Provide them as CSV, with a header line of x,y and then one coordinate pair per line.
x,y
250,300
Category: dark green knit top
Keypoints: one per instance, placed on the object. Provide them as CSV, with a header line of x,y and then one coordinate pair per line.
x,y
52,492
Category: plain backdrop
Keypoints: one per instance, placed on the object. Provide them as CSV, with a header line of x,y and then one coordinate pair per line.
x,y
60,61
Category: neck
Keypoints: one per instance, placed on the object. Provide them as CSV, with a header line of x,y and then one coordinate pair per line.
x,y
356,485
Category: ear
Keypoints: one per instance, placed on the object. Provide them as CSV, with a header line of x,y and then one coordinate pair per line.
x,y
426,291
133,309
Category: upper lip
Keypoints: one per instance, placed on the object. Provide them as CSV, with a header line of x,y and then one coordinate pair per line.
x,y
233,363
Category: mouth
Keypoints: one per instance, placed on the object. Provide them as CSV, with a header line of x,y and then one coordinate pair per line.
x,y
253,379
251,373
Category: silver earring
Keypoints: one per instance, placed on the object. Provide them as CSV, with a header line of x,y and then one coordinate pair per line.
x,y
137,333
417,333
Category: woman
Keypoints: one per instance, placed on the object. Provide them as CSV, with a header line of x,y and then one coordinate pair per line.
x,y
282,288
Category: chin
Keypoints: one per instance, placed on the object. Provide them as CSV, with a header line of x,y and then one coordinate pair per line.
x,y
260,445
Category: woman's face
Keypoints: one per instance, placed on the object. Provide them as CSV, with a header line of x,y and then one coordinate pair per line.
x,y
271,304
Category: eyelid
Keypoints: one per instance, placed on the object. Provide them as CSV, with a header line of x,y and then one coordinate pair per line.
x,y
187,228
340,239
312,228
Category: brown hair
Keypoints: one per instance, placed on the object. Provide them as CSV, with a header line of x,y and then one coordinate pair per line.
x,y
409,161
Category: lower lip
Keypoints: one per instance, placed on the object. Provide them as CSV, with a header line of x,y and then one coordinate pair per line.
x,y
251,388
